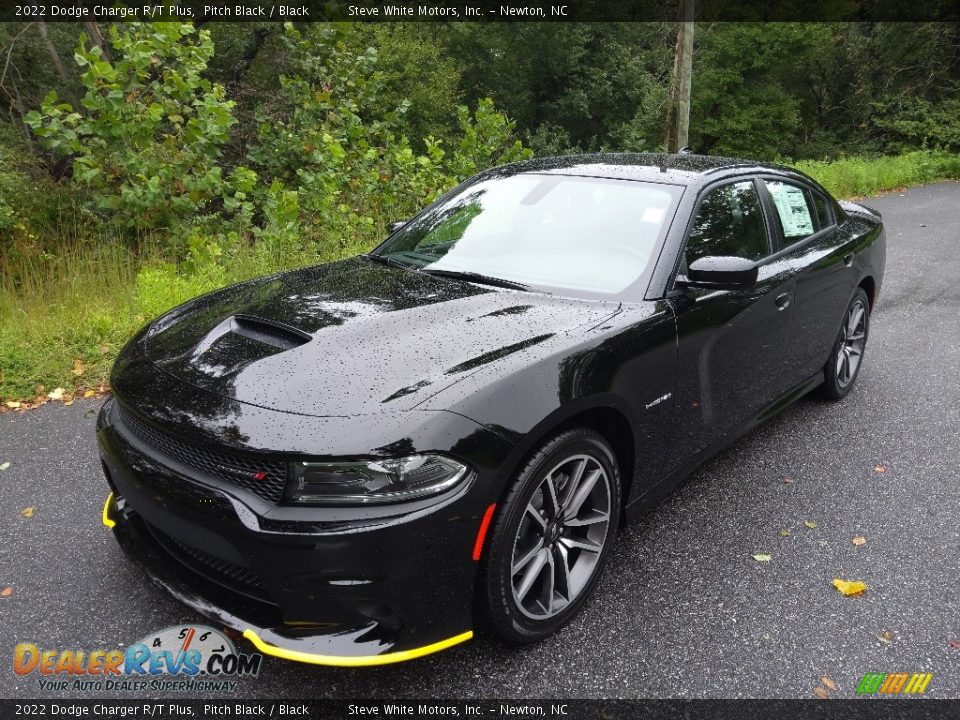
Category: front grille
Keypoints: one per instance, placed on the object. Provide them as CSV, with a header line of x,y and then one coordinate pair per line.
x,y
234,468
217,569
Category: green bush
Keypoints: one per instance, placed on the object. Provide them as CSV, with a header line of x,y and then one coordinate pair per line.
x,y
147,136
330,138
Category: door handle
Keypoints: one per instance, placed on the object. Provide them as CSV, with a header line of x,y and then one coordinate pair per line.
x,y
782,301
848,260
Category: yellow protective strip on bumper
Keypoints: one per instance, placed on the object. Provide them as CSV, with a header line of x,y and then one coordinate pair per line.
x,y
358,661
107,520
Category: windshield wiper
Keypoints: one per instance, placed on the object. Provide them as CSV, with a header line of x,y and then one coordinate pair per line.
x,y
386,260
476,277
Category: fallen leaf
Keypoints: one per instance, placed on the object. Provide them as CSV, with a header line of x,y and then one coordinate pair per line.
x,y
860,540
821,692
68,403
13,404
761,557
4,466
56,394
784,533
104,349
810,524
89,394
829,683
886,637
880,468
789,480
955,644
27,512
78,367
850,587
6,592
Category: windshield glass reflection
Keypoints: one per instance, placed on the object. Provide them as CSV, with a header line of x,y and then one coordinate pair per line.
x,y
587,234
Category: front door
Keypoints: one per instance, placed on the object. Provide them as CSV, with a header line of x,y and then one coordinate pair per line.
x,y
731,343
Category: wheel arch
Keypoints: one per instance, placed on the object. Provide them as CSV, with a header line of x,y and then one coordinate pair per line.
x,y
604,418
869,286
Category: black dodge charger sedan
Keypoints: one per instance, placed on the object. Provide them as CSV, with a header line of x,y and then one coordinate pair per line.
x,y
361,462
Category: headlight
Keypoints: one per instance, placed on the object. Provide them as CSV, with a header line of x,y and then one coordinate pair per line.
x,y
375,481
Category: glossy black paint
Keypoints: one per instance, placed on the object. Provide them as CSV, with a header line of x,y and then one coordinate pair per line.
x,y
357,359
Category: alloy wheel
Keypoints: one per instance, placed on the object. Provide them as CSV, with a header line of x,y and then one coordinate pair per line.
x,y
853,337
560,537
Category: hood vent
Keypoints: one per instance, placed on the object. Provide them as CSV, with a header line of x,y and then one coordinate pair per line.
x,y
268,332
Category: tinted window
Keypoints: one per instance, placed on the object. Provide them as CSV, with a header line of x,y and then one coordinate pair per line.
x,y
797,219
729,222
823,210
553,231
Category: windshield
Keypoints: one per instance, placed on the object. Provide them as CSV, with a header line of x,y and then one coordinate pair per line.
x,y
593,235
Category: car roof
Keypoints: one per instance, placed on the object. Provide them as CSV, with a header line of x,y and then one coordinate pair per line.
x,y
674,168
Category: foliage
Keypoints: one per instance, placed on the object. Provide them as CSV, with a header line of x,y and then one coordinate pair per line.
x,y
860,176
17,175
146,138
331,138
910,122
570,86
415,73
740,106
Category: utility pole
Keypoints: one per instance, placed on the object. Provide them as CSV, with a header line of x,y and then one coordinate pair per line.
x,y
677,127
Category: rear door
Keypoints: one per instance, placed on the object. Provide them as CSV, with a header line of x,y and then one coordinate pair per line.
x,y
820,252
731,343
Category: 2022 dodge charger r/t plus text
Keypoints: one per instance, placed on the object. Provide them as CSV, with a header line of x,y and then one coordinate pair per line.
x,y
360,462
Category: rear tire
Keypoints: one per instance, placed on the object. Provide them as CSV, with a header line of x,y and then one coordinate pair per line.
x,y
551,538
846,358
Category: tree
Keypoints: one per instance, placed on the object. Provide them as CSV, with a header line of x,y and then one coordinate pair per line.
x,y
146,139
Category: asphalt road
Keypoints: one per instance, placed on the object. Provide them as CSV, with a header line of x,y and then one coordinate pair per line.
x,y
683,609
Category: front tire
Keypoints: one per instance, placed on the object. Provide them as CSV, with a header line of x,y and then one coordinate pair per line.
x,y
846,358
551,538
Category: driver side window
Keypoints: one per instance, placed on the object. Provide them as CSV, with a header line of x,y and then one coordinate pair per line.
x,y
729,222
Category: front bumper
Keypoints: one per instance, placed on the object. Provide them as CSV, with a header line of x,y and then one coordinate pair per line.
x,y
324,590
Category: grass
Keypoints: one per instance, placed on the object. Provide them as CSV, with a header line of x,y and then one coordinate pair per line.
x,y
64,316
83,301
860,177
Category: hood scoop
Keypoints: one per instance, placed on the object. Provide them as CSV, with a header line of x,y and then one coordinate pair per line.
x,y
269,332
231,346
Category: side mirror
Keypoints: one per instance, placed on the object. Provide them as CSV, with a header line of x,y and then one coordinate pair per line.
x,y
395,225
722,272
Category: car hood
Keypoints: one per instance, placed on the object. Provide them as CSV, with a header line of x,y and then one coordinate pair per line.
x,y
353,337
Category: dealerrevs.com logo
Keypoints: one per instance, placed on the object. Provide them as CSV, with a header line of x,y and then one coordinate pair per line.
x,y
182,657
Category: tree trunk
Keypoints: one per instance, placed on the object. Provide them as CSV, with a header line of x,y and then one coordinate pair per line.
x,y
96,38
52,51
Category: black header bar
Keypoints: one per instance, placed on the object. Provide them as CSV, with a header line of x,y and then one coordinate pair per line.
x,y
479,10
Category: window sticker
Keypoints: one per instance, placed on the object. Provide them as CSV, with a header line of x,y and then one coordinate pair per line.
x,y
792,205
